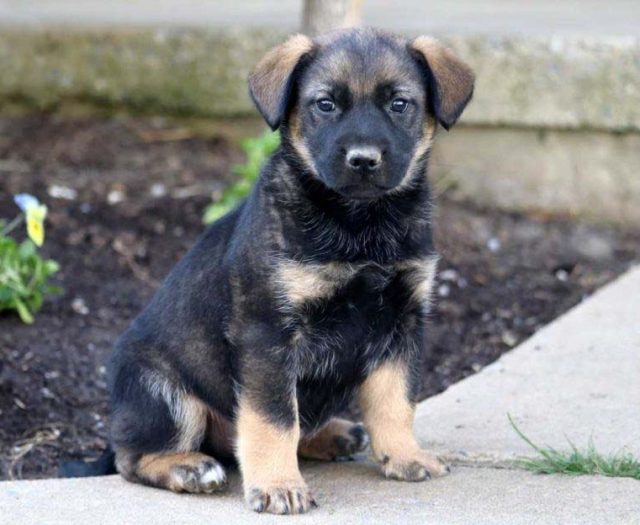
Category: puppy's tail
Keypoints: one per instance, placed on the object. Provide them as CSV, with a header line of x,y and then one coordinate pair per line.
x,y
104,465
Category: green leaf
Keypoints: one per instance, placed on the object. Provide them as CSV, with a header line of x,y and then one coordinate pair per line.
x,y
257,150
24,278
27,249
23,312
51,267
5,294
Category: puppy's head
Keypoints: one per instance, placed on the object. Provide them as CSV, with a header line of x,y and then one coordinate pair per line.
x,y
361,106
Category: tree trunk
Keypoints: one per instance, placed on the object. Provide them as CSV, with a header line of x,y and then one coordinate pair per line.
x,y
320,16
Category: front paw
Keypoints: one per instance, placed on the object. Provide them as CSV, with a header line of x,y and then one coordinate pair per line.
x,y
281,498
418,466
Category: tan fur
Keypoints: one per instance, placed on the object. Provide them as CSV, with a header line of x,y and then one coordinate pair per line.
x,y
301,282
269,78
221,434
423,146
176,471
267,453
322,444
454,78
298,141
187,411
340,68
420,275
388,416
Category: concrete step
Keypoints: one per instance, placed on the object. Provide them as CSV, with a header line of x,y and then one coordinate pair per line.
x,y
543,17
576,379
347,493
554,124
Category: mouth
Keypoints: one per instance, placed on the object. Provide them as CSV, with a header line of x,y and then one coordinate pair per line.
x,y
363,191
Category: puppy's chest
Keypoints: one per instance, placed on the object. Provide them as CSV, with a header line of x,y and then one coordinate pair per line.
x,y
343,312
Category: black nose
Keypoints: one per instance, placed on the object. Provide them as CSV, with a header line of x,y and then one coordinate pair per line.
x,y
364,159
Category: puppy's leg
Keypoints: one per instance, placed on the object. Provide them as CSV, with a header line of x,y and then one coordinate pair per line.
x,y
388,415
157,430
339,438
266,451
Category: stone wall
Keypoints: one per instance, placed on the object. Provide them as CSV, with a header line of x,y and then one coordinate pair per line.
x,y
554,124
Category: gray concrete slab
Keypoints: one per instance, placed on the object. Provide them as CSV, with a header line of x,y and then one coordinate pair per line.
x,y
496,17
550,83
576,379
554,124
590,174
348,493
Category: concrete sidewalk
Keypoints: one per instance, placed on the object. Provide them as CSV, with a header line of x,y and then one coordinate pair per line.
x,y
347,494
496,17
578,378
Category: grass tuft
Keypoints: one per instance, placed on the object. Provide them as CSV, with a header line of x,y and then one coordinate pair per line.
x,y
576,462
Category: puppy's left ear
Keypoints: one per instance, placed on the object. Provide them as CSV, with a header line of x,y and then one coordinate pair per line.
x,y
271,81
450,80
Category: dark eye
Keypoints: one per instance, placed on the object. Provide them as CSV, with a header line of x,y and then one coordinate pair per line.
x,y
399,105
325,105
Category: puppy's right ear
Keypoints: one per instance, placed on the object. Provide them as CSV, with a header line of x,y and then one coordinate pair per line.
x,y
270,82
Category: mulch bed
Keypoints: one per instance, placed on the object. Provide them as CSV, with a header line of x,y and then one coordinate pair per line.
x,y
141,186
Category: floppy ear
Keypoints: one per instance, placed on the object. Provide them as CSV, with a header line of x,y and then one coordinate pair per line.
x,y
270,81
450,79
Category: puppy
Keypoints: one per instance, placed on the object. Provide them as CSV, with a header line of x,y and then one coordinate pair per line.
x,y
314,290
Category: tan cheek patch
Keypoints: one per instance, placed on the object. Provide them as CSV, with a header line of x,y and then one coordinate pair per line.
x,y
423,146
298,141
266,452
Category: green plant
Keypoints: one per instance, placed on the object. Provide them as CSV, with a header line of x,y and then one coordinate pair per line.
x,y
576,462
24,274
257,150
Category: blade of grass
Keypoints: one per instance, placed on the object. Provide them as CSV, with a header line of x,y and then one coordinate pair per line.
x,y
576,462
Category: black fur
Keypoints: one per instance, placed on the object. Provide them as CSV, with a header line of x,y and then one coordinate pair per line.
x,y
102,466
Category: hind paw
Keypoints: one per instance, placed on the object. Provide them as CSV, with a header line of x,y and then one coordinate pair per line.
x,y
339,439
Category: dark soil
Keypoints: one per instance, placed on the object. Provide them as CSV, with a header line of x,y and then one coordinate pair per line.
x,y
142,185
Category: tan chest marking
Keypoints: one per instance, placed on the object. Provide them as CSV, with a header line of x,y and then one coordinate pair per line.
x,y
420,275
302,282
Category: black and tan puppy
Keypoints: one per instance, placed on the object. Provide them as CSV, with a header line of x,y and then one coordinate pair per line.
x,y
313,290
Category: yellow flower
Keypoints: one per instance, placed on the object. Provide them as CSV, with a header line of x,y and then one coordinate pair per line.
x,y
35,214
